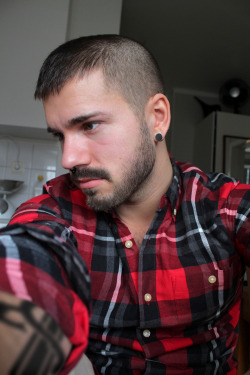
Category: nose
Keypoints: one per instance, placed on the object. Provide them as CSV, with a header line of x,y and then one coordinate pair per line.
x,y
75,151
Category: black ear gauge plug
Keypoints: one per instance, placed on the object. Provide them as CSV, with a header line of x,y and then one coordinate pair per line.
x,y
158,137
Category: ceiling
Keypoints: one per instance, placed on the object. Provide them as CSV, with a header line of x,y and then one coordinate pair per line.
x,y
199,44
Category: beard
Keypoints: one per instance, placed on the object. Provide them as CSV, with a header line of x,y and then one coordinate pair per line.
x,y
132,181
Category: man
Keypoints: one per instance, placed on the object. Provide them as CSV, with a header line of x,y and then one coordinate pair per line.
x,y
164,243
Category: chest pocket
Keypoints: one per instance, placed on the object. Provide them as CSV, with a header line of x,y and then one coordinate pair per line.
x,y
203,294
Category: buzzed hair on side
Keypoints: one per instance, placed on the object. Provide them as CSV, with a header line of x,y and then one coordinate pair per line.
x,y
127,67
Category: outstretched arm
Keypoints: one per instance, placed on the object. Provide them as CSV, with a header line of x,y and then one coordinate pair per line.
x,y
42,281
31,341
40,263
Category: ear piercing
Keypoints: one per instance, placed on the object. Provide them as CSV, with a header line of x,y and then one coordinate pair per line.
x,y
158,137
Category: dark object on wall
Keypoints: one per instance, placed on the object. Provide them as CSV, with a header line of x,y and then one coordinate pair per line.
x,y
234,94
208,108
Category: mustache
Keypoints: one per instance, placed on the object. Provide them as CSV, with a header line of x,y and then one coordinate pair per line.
x,y
89,173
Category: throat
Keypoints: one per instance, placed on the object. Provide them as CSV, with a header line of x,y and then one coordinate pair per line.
x,y
138,237
138,231
137,221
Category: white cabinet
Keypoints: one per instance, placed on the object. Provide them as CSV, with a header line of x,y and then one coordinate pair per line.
x,y
29,30
221,144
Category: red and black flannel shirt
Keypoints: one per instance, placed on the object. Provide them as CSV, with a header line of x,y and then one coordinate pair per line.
x,y
172,306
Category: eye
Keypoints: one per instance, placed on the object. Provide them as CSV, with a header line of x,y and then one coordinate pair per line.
x,y
88,126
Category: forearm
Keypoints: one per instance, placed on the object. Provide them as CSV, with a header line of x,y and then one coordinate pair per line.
x,y
37,265
31,341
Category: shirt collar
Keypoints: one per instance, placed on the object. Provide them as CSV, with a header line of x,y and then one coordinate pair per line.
x,y
174,191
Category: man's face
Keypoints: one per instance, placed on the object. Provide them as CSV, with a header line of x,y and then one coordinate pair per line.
x,y
101,137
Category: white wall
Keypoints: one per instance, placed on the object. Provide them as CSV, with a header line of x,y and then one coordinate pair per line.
x,y
29,30
91,17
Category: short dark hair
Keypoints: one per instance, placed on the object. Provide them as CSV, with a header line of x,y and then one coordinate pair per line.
x,y
127,66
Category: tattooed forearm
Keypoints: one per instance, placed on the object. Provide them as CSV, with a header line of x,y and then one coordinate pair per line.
x,y
31,341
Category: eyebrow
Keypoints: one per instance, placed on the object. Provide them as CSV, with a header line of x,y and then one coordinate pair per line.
x,y
75,120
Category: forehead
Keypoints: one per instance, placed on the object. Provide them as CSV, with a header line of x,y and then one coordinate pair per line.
x,y
81,95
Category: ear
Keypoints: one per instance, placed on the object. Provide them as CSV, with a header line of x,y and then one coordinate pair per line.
x,y
158,114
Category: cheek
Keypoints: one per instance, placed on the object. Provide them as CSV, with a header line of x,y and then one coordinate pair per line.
x,y
115,148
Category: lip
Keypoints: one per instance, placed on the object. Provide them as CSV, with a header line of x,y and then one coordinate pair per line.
x,y
88,183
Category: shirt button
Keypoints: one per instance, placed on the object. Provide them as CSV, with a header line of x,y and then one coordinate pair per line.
x,y
212,279
128,244
147,297
146,333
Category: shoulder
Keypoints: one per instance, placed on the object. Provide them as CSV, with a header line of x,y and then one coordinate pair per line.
x,y
59,184
210,187
211,181
63,190
61,200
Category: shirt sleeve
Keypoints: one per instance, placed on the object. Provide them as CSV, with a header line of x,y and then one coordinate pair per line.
x,y
39,262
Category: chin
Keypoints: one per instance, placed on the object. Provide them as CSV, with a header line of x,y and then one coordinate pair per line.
x,y
102,203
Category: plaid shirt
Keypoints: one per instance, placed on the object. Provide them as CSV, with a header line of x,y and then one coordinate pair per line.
x,y
172,306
